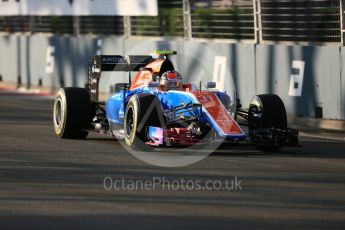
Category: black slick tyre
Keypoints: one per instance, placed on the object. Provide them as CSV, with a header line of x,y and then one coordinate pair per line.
x,y
267,111
142,110
72,113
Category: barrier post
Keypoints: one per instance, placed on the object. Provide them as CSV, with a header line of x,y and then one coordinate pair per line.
x,y
187,22
257,21
76,25
127,26
342,24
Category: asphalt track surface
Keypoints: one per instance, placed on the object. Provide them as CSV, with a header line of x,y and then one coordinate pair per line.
x,y
50,183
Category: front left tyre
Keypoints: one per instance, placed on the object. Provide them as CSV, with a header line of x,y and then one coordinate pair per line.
x,y
72,113
142,110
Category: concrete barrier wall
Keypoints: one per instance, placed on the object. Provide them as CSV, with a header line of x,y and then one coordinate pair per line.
x,y
309,79
53,60
321,86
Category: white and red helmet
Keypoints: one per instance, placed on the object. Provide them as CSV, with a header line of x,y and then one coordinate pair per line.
x,y
171,80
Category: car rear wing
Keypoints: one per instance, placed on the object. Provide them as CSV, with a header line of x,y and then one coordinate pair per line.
x,y
119,63
128,63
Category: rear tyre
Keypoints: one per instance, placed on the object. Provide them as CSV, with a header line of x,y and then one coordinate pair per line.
x,y
72,113
142,110
267,111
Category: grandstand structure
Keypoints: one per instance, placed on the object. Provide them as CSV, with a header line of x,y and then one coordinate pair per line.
x,y
249,21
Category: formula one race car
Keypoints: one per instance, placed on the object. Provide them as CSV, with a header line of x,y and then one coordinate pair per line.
x,y
158,109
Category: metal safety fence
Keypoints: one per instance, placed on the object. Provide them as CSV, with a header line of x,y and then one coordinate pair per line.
x,y
256,21
63,25
303,20
169,21
223,19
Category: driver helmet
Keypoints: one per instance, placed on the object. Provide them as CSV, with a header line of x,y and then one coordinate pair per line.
x,y
171,80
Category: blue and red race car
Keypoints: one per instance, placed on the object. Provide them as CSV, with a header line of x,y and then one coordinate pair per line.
x,y
157,108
